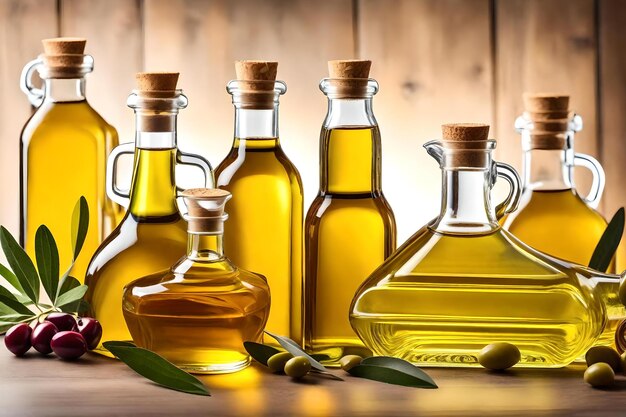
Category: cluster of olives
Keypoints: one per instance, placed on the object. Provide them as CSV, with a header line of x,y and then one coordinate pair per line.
x,y
299,366
603,362
499,356
60,333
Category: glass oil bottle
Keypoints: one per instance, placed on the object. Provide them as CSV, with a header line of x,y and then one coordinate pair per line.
x,y
350,228
462,282
152,235
553,217
63,150
264,233
198,314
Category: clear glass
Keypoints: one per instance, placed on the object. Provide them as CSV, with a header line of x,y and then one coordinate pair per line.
x,y
462,282
264,233
553,217
152,235
350,228
63,149
198,314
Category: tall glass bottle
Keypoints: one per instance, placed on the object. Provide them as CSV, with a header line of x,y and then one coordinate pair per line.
x,y
350,228
462,282
553,217
264,233
199,313
152,235
63,150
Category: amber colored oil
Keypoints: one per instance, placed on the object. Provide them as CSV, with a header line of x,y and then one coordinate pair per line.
x,y
198,314
493,289
151,237
63,150
264,230
559,223
349,231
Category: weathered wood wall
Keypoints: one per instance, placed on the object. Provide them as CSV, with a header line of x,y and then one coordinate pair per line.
x,y
436,61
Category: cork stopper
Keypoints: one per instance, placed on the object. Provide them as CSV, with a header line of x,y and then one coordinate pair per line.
x,y
64,57
349,68
256,84
157,84
205,209
549,114
463,132
467,144
349,77
545,102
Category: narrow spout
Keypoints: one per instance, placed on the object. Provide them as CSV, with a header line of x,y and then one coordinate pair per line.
x,y
435,149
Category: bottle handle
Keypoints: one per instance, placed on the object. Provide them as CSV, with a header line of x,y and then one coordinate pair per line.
x,y
511,202
35,95
116,194
598,182
191,159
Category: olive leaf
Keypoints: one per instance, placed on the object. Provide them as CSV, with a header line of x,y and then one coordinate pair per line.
x,y
71,296
7,274
604,251
293,348
47,256
80,225
156,368
392,371
259,352
20,263
9,300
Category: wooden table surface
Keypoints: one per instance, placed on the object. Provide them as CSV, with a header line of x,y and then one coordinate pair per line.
x,y
35,386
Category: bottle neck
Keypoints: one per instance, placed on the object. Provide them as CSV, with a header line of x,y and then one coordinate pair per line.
x,y
256,123
205,247
153,188
466,203
548,169
350,148
60,90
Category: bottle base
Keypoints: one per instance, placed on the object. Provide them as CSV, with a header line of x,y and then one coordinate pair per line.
x,y
212,369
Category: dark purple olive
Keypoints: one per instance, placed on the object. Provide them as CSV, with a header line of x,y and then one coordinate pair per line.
x,y
63,321
68,345
17,339
42,336
91,331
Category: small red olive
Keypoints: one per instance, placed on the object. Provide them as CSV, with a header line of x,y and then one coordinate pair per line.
x,y
17,339
42,336
63,321
68,345
91,331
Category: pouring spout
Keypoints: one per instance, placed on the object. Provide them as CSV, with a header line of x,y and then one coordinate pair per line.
x,y
435,149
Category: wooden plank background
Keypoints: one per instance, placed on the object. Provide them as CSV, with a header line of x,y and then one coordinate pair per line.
x,y
436,61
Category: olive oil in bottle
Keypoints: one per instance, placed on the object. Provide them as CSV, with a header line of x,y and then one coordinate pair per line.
x,y
63,152
199,313
462,282
553,217
350,228
264,233
152,234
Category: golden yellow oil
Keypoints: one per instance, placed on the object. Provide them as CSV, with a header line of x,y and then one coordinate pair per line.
x,y
441,298
264,230
198,315
63,153
349,231
559,223
151,238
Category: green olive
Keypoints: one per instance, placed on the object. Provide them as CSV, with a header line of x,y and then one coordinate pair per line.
x,y
350,361
599,375
604,354
499,356
297,367
277,362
